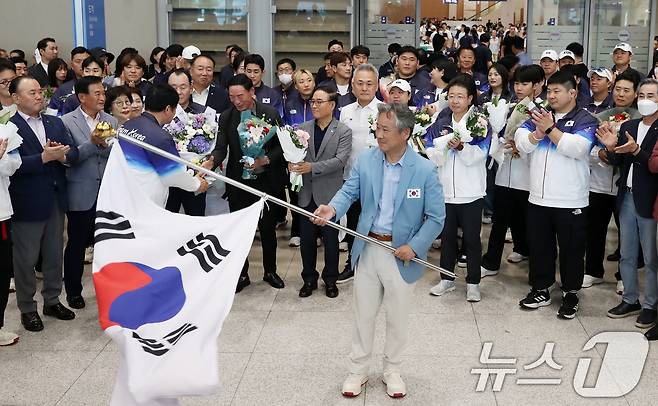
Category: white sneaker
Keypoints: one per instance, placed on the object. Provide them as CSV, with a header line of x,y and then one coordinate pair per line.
x,y
353,385
12,286
436,244
473,292
515,258
443,287
620,287
7,338
295,242
485,272
343,247
589,281
89,255
318,242
395,386
508,236
486,220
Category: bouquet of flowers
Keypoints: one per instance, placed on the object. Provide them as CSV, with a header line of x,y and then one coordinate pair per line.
x,y
472,131
294,143
9,131
617,116
195,135
253,133
520,114
47,93
372,128
422,121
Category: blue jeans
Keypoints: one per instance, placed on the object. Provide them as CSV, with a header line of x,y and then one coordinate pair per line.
x,y
637,230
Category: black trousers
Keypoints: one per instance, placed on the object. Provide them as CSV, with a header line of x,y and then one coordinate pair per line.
x,y
353,214
282,212
80,231
266,224
309,233
601,208
510,211
296,217
5,266
548,229
194,205
468,216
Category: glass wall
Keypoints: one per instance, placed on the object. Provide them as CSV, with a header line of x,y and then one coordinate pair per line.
x,y
211,25
302,29
387,22
554,24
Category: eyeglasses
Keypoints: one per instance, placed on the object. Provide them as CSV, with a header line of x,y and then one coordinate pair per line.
x,y
120,103
6,82
313,102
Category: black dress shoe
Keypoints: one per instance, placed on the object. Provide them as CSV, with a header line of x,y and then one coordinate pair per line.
x,y
345,276
274,280
76,302
624,309
243,282
307,289
331,290
652,334
58,311
31,321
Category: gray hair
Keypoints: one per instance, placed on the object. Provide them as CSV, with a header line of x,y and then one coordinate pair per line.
x,y
404,117
366,67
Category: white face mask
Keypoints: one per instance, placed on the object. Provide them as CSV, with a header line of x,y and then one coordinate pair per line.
x,y
647,107
285,78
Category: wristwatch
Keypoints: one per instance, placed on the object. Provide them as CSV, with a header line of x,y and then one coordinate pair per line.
x,y
548,131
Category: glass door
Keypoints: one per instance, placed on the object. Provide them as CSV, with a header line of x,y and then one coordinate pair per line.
x,y
554,25
387,22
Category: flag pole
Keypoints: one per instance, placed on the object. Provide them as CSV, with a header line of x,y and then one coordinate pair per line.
x,y
270,198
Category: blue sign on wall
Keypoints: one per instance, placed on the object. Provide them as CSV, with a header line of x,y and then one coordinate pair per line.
x,y
93,20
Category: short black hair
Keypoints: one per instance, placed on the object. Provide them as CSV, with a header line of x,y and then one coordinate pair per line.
x,y
393,48
113,93
360,50
18,59
240,80
82,85
528,74
78,50
518,42
159,96
13,86
576,48
181,71
562,78
467,82
408,49
20,53
7,64
448,67
43,43
485,37
630,75
208,57
174,50
331,93
237,60
335,42
462,49
339,57
255,59
53,67
286,60
230,46
509,61
92,59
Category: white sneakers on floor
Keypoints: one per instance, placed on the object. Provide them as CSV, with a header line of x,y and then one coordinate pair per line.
x,y
515,258
473,292
589,281
8,338
484,272
353,385
12,286
89,255
620,287
395,386
436,244
443,287
343,247
295,242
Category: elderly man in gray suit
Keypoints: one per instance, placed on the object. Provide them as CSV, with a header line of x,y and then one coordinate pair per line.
x,y
84,180
329,148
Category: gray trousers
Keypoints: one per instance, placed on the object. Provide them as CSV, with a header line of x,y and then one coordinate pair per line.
x,y
31,238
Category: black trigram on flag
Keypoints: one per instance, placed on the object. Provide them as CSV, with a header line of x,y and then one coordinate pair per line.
x,y
111,225
207,249
160,347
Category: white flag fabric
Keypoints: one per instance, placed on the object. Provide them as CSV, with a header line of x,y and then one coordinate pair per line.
x,y
164,283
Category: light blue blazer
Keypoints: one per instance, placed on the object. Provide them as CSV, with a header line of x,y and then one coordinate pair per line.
x,y
419,205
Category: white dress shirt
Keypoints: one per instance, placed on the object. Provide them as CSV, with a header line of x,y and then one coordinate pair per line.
x,y
642,130
36,124
202,97
91,121
356,118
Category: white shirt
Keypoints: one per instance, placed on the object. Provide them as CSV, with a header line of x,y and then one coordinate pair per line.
x,y
356,118
36,124
642,130
45,66
342,89
202,97
91,121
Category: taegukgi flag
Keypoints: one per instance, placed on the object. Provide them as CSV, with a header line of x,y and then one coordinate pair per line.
x,y
164,283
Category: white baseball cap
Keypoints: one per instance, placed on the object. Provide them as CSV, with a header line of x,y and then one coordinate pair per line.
x,y
190,51
567,54
624,46
549,53
400,84
603,72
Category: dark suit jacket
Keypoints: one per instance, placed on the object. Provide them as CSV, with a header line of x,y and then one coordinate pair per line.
x,y
35,185
39,73
645,183
217,98
273,179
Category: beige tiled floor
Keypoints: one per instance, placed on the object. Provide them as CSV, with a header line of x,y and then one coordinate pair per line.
x,y
279,349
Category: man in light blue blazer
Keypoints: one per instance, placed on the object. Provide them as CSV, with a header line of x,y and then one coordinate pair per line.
x,y
84,180
402,205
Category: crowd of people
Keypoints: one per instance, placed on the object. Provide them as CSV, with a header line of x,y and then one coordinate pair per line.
x,y
563,170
